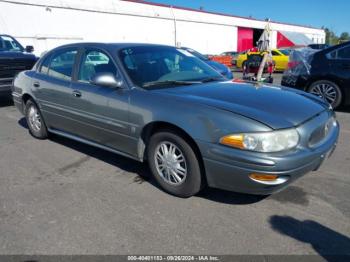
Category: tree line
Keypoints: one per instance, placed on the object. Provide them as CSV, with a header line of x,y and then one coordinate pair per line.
x,y
333,39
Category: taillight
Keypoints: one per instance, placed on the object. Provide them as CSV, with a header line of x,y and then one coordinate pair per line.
x,y
293,64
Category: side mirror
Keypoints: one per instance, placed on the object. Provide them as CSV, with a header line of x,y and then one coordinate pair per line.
x,y
29,49
107,80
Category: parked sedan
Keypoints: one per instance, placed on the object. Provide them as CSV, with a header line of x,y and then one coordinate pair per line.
x,y
323,73
162,105
222,69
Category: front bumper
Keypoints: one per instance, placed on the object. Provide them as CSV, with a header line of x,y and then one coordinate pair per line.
x,y
18,102
229,169
5,86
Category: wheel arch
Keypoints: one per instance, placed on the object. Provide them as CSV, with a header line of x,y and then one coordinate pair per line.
x,y
25,98
326,78
158,126
345,95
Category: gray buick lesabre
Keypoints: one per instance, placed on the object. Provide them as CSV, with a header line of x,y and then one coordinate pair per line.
x,y
162,105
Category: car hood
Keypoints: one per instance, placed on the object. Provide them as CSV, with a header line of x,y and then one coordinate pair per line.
x,y
276,107
17,55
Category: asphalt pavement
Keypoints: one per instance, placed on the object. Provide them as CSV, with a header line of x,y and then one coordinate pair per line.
x,y
58,196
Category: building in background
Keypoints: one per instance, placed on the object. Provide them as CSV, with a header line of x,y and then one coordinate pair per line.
x,y
48,23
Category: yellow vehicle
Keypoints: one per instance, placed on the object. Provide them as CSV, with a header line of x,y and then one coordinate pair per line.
x,y
279,56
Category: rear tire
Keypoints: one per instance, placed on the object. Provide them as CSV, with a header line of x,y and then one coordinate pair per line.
x,y
35,121
327,90
174,164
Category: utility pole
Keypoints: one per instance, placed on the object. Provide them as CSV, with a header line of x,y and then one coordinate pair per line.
x,y
175,26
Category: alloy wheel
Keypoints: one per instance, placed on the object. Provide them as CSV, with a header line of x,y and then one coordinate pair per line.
x,y
326,91
170,163
34,118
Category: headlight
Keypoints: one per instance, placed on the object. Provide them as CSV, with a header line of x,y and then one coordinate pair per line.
x,y
274,141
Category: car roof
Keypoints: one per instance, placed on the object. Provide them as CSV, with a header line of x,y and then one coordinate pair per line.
x,y
6,35
108,45
334,47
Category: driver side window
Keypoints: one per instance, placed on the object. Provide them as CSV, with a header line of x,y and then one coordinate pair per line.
x,y
95,62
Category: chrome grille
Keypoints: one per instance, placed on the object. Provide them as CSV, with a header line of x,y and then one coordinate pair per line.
x,y
16,64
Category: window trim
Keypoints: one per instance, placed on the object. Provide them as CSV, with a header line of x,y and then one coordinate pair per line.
x,y
39,67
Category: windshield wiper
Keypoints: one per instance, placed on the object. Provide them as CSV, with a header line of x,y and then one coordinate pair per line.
x,y
212,79
170,82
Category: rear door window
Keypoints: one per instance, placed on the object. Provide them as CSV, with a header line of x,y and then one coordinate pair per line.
x,y
62,64
342,53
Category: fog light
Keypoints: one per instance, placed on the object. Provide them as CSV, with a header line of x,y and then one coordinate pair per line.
x,y
263,177
267,179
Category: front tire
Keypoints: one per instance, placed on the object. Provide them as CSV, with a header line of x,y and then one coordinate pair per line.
x,y
327,90
174,164
35,121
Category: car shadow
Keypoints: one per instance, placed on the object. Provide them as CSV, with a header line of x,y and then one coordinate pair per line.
x,y
229,198
143,173
331,245
292,194
343,109
5,101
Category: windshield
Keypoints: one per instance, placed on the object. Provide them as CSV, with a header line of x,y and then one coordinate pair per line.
x,y
285,51
8,43
149,65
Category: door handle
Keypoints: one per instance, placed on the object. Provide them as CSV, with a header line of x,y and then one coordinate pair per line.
x,y
36,84
76,93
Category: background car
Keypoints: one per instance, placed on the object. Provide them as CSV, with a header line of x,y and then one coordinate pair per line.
x,y
229,53
279,56
222,69
233,55
325,73
13,59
